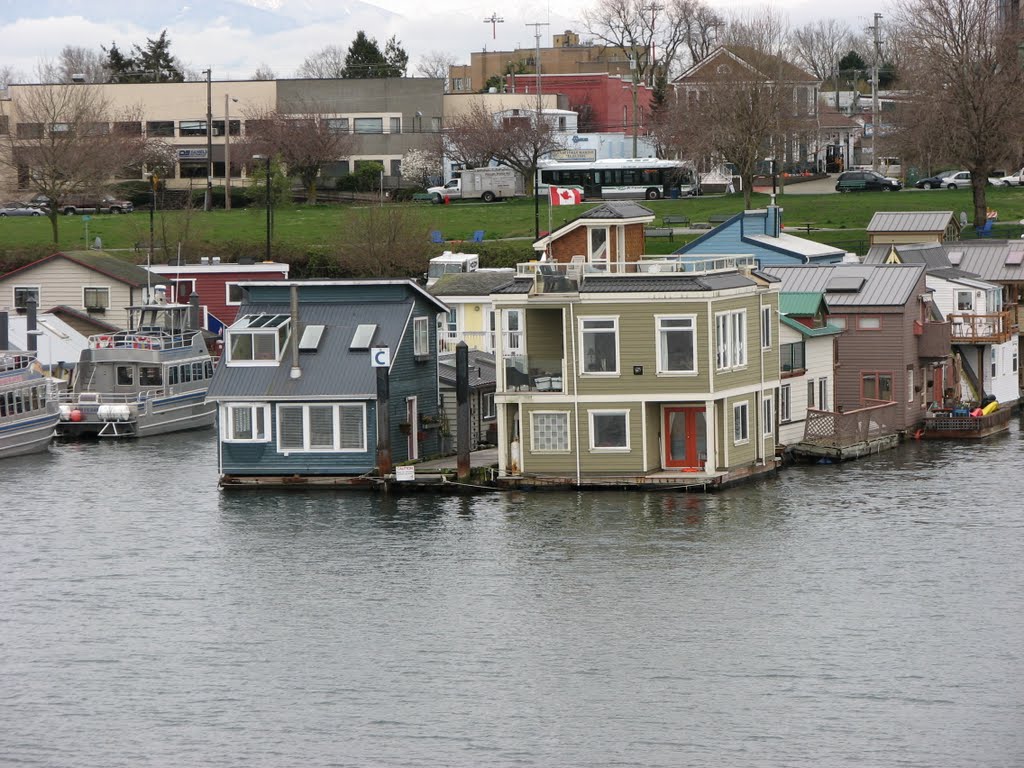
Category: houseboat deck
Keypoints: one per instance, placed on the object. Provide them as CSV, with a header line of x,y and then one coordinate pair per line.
x,y
946,426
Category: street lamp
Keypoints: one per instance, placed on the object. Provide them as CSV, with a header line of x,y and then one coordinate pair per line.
x,y
153,180
227,152
208,203
267,158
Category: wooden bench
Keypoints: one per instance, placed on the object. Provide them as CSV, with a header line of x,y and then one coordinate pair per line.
x,y
719,218
658,232
670,220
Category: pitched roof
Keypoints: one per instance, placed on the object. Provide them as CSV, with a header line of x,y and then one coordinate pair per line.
x,y
853,285
113,267
825,330
479,283
481,369
801,303
911,221
753,60
613,210
932,255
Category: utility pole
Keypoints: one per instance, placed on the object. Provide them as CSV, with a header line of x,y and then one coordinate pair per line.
x,y
208,203
494,21
875,29
536,170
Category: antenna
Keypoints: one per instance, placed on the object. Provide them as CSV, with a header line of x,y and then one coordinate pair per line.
x,y
494,21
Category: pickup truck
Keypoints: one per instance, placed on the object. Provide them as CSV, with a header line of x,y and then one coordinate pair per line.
x,y
73,204
487,184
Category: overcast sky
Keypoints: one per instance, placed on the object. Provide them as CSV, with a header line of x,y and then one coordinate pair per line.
x,y
234,37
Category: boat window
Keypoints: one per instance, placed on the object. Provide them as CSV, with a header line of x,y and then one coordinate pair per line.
x,y
197,371
125,375
149,376
172,374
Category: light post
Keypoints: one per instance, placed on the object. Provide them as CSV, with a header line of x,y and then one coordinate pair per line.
x,y
267,158
153,179
227,152
208,203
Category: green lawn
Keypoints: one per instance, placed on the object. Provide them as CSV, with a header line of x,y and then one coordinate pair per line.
x,y
836,219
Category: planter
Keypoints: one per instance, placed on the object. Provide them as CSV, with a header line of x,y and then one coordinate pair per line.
x,y
405,428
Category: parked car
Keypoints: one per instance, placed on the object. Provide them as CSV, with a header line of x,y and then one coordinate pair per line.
x,y
89,204
859,181
933,182
1012,179
19,209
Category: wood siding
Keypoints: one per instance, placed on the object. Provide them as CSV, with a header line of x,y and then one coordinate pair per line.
x,y
61,282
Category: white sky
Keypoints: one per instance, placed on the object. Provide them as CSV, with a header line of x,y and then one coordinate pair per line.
x,y
234,50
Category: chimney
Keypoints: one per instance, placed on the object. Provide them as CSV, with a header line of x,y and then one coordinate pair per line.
x,y
296,372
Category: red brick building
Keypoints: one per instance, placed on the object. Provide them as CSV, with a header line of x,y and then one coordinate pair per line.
x,y
603,102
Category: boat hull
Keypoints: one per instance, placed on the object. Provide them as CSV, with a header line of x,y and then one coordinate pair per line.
x,y
25,436
157,417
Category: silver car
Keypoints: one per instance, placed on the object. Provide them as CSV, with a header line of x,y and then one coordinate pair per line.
x,y
19,209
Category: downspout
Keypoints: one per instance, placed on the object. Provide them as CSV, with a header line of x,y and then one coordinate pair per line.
x,y
575,389
760,398
296,371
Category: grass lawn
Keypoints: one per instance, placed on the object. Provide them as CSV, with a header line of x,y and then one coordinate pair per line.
x,y
835,219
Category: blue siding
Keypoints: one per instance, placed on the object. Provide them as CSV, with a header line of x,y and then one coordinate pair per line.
x,y
729,239
329,294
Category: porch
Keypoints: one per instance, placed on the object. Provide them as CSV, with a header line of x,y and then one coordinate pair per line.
x,y
844,434
994,328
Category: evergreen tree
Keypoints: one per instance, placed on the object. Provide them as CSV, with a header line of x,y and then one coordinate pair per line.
x,y
396,57
152,64
365,59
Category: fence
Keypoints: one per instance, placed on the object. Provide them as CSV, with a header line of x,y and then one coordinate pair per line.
x,y
841,429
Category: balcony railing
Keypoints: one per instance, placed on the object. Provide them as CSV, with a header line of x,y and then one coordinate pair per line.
x,y
992,328
479,340
841,429
527,373
560,277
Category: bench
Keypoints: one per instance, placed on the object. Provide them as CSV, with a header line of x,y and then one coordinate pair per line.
x,y
719,218
670,220
658,232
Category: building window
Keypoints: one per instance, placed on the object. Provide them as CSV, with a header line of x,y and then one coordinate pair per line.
x,y
609,430
396,167
368,124
337,124
599,342
910,385
396,125
435,124
869,323
421,336
994,356
785,398
258,339
192,128
1013,358
512,333
234,294
163,128
22,294
838,322
128,128
791,356
965,301
245,423
768,414
876,386
490,412
740,423
677,344
549,431
30,130
96,299
823,394
810,393
321,428
767,314
731,339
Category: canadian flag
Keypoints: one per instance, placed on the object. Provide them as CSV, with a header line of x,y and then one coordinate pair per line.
x,y
564,196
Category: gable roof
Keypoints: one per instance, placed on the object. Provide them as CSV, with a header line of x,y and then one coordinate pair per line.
x,y
113,267
986,258
478,283
752,60
802,303
617,211
932,255
853,285
912,221
481,369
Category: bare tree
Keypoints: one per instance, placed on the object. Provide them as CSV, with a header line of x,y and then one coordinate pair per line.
x,y
304,139
436,64
385,241
326,64
820,44
700,26
61,141
962,55
263,72
8,75
765,31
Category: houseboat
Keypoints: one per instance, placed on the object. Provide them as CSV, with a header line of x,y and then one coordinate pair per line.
x,y
28,407
147,380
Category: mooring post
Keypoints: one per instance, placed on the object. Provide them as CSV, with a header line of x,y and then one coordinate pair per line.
x,y
384,466
462,409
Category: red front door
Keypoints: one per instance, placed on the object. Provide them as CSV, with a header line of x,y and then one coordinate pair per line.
x,y
686,438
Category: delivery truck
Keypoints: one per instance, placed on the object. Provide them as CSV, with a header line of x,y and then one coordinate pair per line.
x,y
487,184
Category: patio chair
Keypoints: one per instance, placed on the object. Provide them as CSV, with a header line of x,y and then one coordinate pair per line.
x,y
478,236
986,230
435,236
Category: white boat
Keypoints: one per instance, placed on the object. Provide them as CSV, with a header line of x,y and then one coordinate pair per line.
x,y
28,405
148,380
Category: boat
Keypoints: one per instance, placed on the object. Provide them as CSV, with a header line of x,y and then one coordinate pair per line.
x,y
150,379
28,405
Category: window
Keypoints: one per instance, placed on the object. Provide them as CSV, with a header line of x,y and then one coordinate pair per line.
x,y
5,125
810,393
149,376
421,336
731,339
785,398
22,294
235,293
768,414
245,423
965,301
258,339
337,124
128,128
876,386
125,375
838,322
910,385
163,128
96,299
513,336
549,431
1013,358
368,124
823,394
192,128
993,355
677,344
490,412
30,130
599,247
396,125
609,430
740,423
869,323
321,428
791,356
767,315
599,344
435,124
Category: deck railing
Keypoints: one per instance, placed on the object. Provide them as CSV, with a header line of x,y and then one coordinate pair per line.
x,y
841,429
967,424
993,328
524,373
481,340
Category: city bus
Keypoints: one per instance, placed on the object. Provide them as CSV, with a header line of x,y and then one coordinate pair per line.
x,y
639,177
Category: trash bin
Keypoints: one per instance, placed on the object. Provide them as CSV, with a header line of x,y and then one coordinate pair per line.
x,y
674,193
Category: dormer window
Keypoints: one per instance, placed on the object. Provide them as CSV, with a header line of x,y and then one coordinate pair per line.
x,y
258,339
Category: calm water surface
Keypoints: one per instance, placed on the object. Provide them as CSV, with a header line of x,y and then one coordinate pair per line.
x,y
868,614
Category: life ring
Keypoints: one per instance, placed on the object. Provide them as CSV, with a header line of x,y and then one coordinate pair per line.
x,y
144,342
104,342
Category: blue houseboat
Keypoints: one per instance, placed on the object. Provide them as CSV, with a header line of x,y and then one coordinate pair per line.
x,y
296,390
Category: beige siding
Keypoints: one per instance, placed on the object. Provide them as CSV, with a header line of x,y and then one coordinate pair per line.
x,y
61,282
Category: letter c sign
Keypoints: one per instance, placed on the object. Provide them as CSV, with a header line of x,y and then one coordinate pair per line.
x,y
380,357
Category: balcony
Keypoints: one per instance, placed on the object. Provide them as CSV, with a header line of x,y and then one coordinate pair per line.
x,y
932,340
992,328
482,341
527,373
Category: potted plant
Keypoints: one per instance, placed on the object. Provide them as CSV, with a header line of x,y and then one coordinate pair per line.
x,y
405,427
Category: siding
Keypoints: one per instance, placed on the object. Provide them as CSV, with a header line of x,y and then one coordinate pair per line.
x,y
61,282
818,357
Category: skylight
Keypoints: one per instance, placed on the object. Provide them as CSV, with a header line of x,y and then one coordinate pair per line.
x,y
845,284
311,336
363,336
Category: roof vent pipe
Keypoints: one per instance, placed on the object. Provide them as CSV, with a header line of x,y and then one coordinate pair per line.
x,y
296,371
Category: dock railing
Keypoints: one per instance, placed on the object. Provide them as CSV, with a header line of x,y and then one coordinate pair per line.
x,y
843,428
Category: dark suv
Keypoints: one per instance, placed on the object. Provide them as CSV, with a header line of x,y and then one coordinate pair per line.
x,y
869,181
94,204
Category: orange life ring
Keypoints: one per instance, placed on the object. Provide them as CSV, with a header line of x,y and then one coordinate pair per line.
x,y
104,342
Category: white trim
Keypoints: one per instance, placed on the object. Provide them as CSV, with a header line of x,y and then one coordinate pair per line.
x,y
568,433
227,294
660,369
745,405
226,431
614,319
591,413
335,409
106,288
39,295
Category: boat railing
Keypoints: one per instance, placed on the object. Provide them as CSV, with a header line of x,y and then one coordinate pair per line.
x,y
15,361
141,340
86,399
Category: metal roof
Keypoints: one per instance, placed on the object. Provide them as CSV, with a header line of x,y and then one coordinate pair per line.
x,y
334,370
911,221
932,255
618,209
825,330
470,283
801,304
481,369
985,258
114,267
884,284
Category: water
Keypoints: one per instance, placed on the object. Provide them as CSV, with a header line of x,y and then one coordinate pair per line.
x,y
868,614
